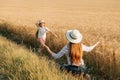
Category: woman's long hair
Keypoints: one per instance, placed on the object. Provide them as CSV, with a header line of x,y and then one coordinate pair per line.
x,y
76,52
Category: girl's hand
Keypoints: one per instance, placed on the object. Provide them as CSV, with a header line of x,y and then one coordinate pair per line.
x,y
54,34
48,49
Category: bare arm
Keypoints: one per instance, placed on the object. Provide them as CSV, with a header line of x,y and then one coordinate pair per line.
x,y
53,33
48,49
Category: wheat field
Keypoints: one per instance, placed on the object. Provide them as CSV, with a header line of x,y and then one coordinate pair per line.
x,y
97,20
19,63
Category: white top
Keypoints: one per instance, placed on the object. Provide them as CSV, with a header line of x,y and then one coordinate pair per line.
x,y
65,51
42,32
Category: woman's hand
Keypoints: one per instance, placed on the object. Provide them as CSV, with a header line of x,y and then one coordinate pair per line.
x,y
97,43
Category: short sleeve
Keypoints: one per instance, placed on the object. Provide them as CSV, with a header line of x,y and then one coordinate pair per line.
x,y
63,51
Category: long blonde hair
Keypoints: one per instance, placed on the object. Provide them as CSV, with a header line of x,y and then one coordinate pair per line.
x,y
76,52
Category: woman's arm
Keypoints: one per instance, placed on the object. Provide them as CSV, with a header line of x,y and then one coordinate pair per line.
x,y
63,51
89,48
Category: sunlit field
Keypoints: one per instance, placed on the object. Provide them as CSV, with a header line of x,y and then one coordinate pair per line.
x,y
18,63
97,20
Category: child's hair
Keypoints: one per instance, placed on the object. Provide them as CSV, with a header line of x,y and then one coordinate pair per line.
x,y
36,34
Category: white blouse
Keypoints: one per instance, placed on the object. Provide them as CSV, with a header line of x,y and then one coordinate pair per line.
x,y
65,51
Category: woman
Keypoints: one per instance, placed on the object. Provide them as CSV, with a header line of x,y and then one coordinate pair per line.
x,y
74,52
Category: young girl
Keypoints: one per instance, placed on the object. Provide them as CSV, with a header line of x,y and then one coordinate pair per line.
x,y
41,34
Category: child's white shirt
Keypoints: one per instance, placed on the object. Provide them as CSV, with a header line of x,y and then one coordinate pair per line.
x,y
42,32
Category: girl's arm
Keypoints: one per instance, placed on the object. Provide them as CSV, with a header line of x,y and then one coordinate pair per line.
x,y
53,33
48,49
89,48
47,29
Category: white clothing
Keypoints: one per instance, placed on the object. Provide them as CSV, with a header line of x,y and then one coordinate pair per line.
x,y
65,51
42,32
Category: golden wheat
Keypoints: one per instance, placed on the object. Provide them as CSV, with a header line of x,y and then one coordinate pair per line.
x,y
19,63
103,60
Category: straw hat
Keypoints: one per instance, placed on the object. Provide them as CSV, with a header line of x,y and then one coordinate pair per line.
x,y
74,36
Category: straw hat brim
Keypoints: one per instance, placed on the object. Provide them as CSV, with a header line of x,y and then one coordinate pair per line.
x,y
78,40
41,21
